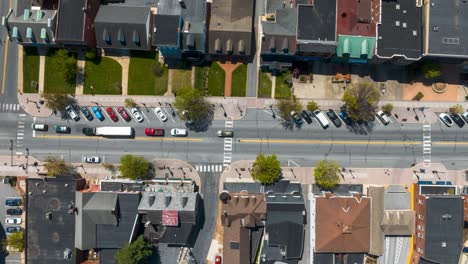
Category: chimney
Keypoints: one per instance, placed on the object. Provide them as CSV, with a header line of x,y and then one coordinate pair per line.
x,y
151,199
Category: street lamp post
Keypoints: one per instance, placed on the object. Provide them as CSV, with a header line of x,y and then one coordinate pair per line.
x,y
11,152
27,158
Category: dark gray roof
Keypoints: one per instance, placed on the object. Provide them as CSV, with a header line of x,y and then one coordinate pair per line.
x,y
448,28
318,22
159,201
339,189
71,20
123,27
179,235
282,186
166,30
37,22
121,186
444,229
400,31
324,258
47,239
280,35
230,42
107,256
329,48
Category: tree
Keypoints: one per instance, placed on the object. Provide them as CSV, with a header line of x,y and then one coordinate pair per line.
x,y
129,102
285,106
134,167
110,167
192,106
456,109
137,252
68,64
387,108
58,167
326,174
56,102
266,169
361,101
312,106
431,70
15,241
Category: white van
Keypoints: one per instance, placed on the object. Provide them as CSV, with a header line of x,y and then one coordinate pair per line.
x,y
383,117
39,127
323,121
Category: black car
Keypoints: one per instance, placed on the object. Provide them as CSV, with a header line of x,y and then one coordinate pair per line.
x,y
307,117
334,118
86,113
14,211
346,119
457,119
14,229
297,119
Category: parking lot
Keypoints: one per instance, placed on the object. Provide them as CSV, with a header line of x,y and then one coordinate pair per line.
x,y
6,191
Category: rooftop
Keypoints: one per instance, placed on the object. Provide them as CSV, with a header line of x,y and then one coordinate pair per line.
x,y
50,227
339,189
282,186
231,15
400,30
397,197
167,30
342,224
70,20
448,28
317,23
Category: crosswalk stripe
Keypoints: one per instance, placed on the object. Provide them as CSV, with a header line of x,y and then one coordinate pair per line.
x,y
22,115
19,153
21,126
20,134
19,137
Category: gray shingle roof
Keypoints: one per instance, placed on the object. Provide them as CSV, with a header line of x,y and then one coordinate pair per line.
x,y
71,20
34,26
317,22
166,30
158,201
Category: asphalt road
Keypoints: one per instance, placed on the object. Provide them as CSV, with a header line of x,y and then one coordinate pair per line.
x,y
378,146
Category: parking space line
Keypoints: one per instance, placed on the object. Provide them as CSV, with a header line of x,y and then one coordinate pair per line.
x,y
149,121
169,115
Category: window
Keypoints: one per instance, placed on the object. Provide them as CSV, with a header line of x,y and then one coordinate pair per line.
x,y
420,201
420,216
420,227
420,235
419,250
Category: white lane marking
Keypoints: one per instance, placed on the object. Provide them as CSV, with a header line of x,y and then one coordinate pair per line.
x,y
20,134
21,126
19,153
19,138
169,115
149,121
34,131
22,115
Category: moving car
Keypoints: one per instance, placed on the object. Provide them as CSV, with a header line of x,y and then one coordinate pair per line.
x,y
297,119
14,221
137,114
334,118
383,117
323,121
457,119
72,113
86,113
92,159
112,114
14,229
62,129
124,114
154,132
160,114
306,116
179,132
14,211
97,112
446,119
13,202
40,127
225,133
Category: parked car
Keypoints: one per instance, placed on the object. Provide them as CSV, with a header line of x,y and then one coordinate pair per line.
x,y
225,133
14,211
97,112
306,116
457,119
13,221
111,113
346,119
218,259
39,127
188,122
123,113
93,159
84,110
154,132
383,117
62,129
179,132
446,119
465,116
137,114
14,229
334,118
297,119
72,113
13,202
160,114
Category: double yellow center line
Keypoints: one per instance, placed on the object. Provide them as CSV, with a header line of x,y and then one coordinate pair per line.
x,y
108,138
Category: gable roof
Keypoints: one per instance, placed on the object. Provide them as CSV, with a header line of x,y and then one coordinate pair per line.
x,y
342,225
71,20
166,30
123,27
398,223
32,26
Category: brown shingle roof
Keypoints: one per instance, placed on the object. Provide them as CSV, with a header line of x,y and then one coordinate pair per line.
x,y
342,225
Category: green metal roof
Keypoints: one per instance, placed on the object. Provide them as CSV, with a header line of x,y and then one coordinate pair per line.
x,y
355,47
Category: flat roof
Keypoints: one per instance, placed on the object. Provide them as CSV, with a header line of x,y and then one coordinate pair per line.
x,y
448,28
357,18
400,31
317,22
70,23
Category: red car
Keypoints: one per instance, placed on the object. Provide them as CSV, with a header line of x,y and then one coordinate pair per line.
x,y
218,259
112,114
124,114
154,132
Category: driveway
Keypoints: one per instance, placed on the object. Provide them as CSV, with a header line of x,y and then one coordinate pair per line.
x,y
6,191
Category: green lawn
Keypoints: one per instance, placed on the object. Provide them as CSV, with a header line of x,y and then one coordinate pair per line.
x,y
30,69
239,81
216,78
54,81
264,85
200,78
281,89
102,74
181,78
141,80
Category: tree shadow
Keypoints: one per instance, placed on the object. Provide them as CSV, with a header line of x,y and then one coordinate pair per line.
x,y
203,124
287,124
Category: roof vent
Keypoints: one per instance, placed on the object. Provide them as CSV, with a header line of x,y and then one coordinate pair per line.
x,y
151,199
270,17
444,244
397,6
446,217
48,215
397,23
67,253
404,25
415,33
435,28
